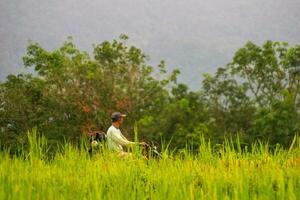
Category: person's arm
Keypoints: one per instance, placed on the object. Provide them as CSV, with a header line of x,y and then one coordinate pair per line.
x,y
120,140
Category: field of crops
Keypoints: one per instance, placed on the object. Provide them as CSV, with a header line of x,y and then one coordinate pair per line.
x,y
228,173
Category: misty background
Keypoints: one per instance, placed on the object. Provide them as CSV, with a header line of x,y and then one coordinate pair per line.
x,y
195,36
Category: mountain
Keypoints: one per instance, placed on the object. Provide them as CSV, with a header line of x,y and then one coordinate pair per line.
x,y
194,35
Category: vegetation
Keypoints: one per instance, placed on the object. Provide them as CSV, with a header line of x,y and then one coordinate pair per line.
x,y
253,99
223,173
71,92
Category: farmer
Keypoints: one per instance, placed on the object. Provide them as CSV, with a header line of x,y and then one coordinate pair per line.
x,y
115,139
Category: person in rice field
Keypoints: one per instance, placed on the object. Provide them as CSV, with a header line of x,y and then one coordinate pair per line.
x,y
115,139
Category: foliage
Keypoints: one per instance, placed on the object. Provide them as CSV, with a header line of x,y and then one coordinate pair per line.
x,y
224,174
258,92
72,92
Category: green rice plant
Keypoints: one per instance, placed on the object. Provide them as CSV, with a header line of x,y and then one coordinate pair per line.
x,y
228,173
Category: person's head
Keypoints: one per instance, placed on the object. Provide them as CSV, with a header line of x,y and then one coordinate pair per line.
x,y
117,118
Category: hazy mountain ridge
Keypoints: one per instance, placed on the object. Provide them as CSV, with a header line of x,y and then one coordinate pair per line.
x,y
196,36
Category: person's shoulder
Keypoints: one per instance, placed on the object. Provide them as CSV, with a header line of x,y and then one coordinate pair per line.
x,y
111,129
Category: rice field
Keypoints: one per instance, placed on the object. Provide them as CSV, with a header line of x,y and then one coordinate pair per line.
x,y
225,173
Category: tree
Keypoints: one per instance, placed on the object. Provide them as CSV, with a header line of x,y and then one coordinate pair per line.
x,y
257,84
74,92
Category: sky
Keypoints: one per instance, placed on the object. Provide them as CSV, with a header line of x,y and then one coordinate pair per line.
x,y
196,36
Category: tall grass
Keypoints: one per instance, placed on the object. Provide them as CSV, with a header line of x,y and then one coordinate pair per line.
x,y
228,173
